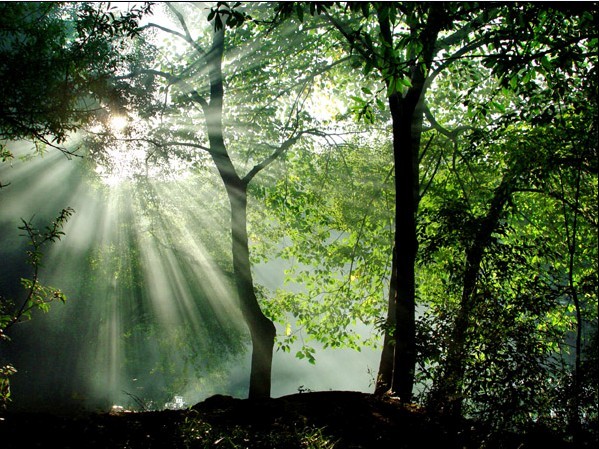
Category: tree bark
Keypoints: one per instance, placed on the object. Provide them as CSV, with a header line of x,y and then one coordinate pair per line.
x,y
405,245
262,329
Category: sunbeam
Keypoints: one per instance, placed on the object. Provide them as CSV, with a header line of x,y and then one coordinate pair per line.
x,y
150,311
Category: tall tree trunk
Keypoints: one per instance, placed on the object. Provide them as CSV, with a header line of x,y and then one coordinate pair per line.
x,y
407,117
574,421
385,375
262,329
405,150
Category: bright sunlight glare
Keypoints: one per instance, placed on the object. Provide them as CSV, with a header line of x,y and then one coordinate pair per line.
x,y
118,123
128,156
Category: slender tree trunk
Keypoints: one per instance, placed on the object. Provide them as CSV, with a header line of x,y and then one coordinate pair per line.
x,y
448,392
262,329
571,238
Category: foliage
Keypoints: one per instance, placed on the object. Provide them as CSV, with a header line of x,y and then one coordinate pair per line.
x,y
56,63
505,160
337,242
491,106
37,295
523,316
510,93
6,372
263,120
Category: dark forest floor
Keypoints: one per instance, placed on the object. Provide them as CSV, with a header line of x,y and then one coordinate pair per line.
x,y
334,419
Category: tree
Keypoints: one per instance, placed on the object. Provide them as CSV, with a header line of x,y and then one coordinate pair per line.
x,y
408,59
540,47
37,297
262,329
200,94
405,67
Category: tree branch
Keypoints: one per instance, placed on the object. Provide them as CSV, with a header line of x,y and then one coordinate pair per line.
x,y
351,40
484,18
430,181
168,143
187,35
270,159
456,56
276,154
165,29
453,134
68,153
172,79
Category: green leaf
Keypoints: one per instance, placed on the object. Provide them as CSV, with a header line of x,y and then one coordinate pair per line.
x,y
392,87
218,23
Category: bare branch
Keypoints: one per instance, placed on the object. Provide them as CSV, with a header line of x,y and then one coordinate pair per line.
x,y
172,79
162,144
456,56
68,153
195,96
426,147
165,29
432,177
270,159
484,18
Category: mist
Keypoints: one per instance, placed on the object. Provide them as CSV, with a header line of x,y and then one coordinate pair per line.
x,y
151,311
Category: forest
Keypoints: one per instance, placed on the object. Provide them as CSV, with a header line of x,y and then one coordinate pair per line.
x,y
299,224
